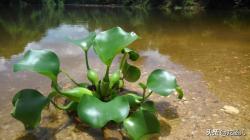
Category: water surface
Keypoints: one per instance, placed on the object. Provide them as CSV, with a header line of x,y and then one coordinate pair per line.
x,y
214,44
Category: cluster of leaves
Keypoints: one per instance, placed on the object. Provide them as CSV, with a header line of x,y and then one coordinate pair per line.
x,y
100,101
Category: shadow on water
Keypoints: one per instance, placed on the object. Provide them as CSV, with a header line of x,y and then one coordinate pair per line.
x,y
41,133
46,133
166,110
97,134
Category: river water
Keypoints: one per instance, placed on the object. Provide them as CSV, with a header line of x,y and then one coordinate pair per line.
x,y
215,45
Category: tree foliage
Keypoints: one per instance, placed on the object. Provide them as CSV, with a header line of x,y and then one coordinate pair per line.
x,y
174,4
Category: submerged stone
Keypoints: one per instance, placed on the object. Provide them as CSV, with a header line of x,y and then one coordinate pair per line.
x,y
230,109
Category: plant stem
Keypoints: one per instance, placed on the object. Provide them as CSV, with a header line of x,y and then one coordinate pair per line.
x,y
56,87
123,61
66,74
144,98
105,83
143,95
106,77
61,107
148,95
86,59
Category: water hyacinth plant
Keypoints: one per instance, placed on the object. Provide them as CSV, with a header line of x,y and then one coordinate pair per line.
x,y
102,100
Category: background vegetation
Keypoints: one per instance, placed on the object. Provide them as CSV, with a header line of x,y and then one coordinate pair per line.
x,y
165,4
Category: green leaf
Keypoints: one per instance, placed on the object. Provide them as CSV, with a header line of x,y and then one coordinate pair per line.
x,y
161,82
133,99
130,72
180,92
44,62
72,106
133,55
84,85
149,106
76,93
140,124
28,105
109,43
84,43
142,85
97,113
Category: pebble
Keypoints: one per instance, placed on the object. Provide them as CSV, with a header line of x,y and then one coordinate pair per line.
x,y
184,99
5,126
186,102
219,122
215,115
230,109
203,120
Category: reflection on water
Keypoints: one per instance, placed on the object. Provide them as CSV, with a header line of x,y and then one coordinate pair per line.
x,y
214,44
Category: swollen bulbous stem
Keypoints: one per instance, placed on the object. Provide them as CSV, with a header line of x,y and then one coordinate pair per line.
x,y
122,63
93,77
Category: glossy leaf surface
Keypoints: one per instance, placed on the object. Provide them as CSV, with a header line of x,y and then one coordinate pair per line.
x,y
96,113
133,99
142,85
28,105
180,92
109,43
76,93
84,85
84,43
140,124
161,82
93,76
149,106
114,78
44,62
130,72
133,55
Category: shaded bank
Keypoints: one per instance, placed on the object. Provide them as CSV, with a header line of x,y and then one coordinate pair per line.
x,y
24,24
145,4
20,25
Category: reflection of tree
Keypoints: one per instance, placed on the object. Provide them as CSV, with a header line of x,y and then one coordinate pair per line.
x,y
20,26
236,18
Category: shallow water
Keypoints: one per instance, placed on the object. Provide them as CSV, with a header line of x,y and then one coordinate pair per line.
x,y
215,44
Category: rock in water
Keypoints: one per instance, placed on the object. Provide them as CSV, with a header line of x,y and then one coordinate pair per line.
x,y
230,109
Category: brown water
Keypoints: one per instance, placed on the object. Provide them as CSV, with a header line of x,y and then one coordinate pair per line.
x,y
215,45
